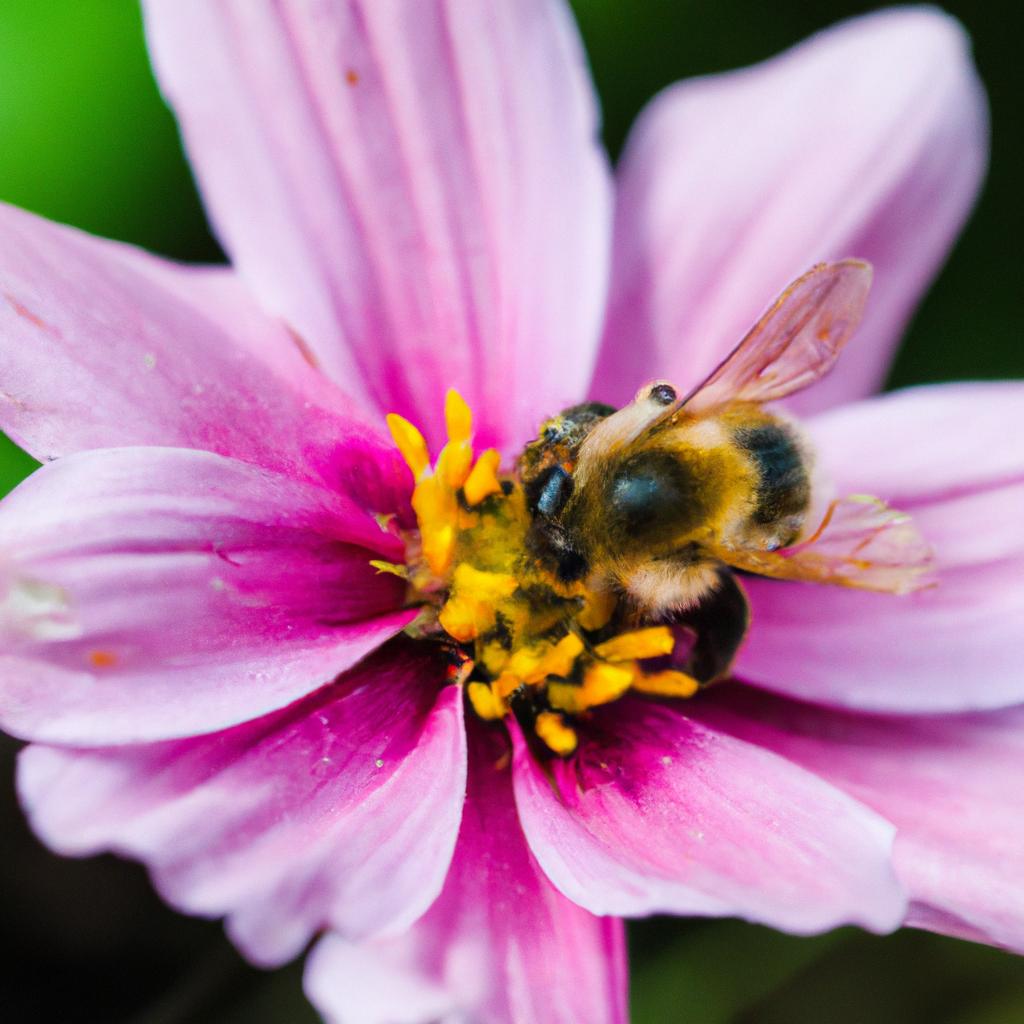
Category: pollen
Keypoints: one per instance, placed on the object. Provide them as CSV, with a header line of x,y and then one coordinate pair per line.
x,y
525,643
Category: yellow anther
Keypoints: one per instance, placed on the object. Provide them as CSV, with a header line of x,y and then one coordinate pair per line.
x,y
436,510
506,684
471,608
598,608
602,683
483,480
438,547
454,462
641,643
457,418
465,619
485,702
551,728
484,585
666,684
410,443
524,661
560,659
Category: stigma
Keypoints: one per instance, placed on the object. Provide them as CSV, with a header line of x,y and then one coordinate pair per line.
x,y
522,639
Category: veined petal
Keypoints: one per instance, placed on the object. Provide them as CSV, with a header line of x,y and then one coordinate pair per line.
x,y
151,593
868,140
340,811
103,345
950,784
942,454
417,188
499,945
664,814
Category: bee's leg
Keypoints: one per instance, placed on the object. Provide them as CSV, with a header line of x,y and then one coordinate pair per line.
x,y
719,624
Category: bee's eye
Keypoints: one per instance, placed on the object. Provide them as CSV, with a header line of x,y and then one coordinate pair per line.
x,y
663,394
548,494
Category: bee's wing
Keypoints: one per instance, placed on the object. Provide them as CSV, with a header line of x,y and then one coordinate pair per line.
x,y
795,343
861,543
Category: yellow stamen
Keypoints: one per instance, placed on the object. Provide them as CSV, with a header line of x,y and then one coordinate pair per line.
x,y
410,443
485,702
483,480
666,684
559,660
641,643
470,610
507,683
454,462
436,509
458,420
559,737
602,683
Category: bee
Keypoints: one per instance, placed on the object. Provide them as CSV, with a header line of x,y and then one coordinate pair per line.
x,y
662,500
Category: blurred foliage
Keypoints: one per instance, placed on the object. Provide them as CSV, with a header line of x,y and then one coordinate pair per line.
x,y
87,140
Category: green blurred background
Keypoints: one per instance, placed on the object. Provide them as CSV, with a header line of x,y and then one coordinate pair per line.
x,y
85,138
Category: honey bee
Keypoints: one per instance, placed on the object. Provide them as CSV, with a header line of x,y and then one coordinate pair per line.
x,y
661,500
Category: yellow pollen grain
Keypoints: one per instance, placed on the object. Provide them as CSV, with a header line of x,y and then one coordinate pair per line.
x,y
457,417
551,728
485,702
102,659
641,643
411,443
483,480
666,684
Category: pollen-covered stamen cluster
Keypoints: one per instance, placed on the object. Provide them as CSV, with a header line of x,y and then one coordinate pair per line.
x,y
533,645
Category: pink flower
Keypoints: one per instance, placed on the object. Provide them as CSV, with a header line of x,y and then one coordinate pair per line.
x,y
216,681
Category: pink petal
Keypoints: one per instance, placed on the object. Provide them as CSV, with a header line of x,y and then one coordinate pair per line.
x,y
941,454
151,593
660,813
867,140
499,945
103,345
951,785
339,811
421,195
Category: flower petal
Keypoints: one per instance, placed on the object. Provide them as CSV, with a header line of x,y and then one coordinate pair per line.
x,y
499,945
868,140
103,345
950,784
663,814
340,811
423,198
941,454
152,593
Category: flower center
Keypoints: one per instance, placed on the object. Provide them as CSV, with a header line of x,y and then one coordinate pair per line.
x,y
523,639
